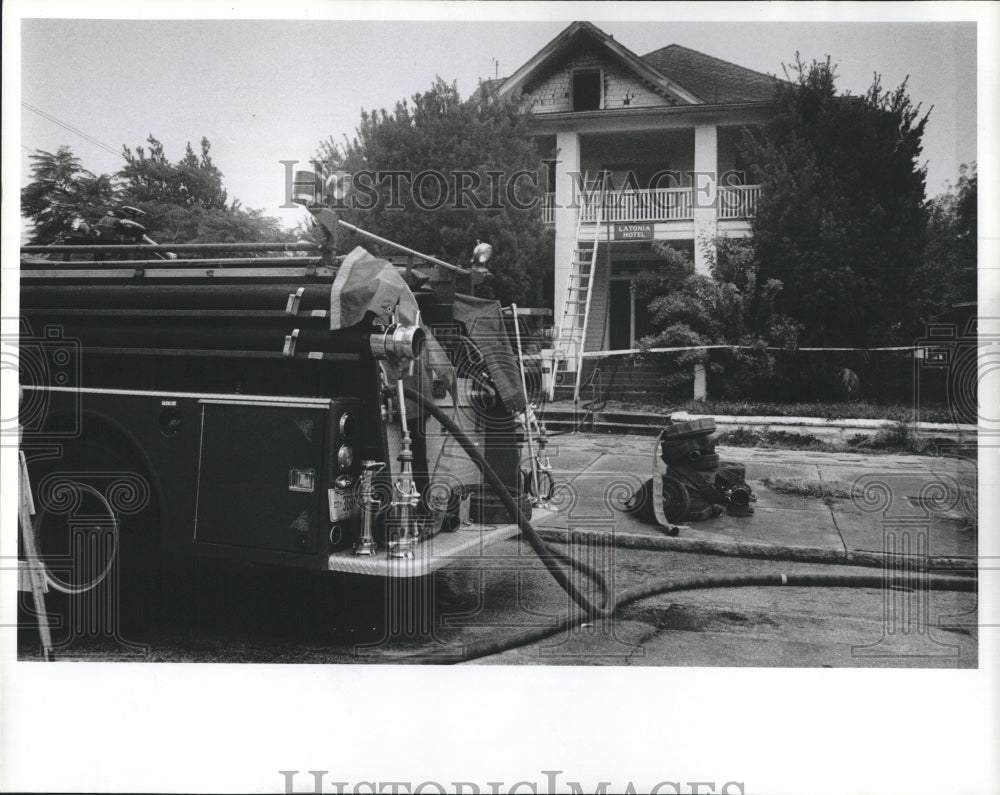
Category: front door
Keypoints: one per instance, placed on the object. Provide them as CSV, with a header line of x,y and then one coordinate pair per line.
x,y
620,316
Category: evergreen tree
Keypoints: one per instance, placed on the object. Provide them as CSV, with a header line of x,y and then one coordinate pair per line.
x,y
841,216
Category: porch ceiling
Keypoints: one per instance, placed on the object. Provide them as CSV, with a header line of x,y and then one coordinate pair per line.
x,y
640,143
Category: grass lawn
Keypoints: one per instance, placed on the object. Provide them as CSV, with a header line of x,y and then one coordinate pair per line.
x,y
830,411
899,437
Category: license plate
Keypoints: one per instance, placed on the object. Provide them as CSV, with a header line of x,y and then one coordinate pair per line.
x,y
343,504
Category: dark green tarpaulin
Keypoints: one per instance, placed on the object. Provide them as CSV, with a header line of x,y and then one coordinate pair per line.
x,y
484,324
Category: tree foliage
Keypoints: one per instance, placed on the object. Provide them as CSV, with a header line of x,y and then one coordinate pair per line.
x,y
190,182
62,193
732,306
948,273
841,214
437,131
184,201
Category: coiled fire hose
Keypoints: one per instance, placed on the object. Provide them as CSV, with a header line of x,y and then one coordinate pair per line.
x,y
551,558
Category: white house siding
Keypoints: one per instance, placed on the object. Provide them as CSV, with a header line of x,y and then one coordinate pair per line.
x,y
623,90
554,94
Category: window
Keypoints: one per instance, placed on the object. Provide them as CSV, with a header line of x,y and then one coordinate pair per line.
x,y
587,90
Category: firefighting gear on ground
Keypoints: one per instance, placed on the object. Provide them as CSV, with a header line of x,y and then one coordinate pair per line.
x,y
695,485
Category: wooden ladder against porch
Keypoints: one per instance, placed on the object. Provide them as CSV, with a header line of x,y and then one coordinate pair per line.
x,y
576,308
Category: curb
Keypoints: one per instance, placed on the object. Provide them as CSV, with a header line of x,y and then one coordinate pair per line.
x,y
752,549
820,422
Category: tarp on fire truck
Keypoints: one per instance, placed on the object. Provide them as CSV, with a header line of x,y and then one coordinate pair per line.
x,y
484,323
364,284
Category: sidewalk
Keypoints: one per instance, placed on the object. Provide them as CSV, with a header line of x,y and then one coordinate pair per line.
x,y
899,502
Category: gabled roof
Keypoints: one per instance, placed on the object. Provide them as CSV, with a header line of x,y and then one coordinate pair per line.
x,y
637,65
679,73
713,80
486,89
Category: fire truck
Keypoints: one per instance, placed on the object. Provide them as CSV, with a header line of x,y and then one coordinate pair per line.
x,y
269,403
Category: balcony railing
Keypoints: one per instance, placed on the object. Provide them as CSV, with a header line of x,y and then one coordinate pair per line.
x,y
661,205
738,201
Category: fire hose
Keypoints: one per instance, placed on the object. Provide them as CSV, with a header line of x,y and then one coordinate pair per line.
x,y
549,556
552,557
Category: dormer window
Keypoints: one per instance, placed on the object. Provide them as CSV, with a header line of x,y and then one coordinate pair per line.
x,y
588,88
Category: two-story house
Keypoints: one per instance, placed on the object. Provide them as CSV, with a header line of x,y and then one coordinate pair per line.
x,y
664,128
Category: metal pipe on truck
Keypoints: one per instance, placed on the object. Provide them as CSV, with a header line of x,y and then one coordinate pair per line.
x,y
175,295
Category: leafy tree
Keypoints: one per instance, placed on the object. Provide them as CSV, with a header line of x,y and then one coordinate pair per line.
x,y
183,201
732,306
62,193
437,131
948,273
186,201
841,215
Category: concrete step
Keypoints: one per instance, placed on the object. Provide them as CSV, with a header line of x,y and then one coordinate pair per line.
x,y
568,424
635,418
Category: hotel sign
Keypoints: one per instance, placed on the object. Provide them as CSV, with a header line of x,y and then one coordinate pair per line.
x,y
632,232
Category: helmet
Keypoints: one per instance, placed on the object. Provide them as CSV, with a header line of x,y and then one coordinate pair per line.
x,y
482,252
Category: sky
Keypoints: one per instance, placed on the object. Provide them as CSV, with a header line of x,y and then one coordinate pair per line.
x,y
263,91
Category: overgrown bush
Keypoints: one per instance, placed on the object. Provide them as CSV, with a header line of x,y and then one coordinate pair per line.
x,y
765,437
728,307
901,437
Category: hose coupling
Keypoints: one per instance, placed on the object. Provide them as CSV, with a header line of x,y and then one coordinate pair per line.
x,y
398,342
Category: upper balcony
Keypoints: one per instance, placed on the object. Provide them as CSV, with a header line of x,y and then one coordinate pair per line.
x,y
660,205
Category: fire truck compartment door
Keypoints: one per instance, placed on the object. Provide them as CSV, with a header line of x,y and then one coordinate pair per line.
x,y
259,475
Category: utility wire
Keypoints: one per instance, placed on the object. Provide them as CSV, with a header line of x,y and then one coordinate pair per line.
x,y
72,129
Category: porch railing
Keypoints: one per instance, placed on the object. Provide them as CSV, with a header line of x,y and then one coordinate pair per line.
x,y
738,201
661,205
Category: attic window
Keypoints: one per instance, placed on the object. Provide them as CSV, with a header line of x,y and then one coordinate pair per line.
x,y
587,89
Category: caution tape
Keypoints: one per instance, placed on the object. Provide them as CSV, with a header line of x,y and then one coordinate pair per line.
x,y
681,348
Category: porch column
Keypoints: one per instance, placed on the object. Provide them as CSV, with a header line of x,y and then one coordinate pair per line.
x,y
567,164
700,383
706,156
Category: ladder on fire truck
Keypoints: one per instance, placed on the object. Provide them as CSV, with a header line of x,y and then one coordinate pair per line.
x,y
576,306
30,570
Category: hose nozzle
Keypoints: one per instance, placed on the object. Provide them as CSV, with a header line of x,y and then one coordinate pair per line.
x,y
365,545
740,496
